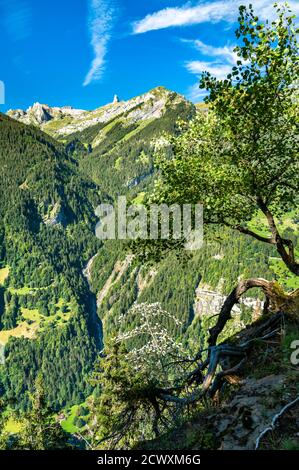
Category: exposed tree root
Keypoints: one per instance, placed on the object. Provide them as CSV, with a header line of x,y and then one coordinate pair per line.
x,y
226,362
230,353
276,301
217,353
271,427
231,357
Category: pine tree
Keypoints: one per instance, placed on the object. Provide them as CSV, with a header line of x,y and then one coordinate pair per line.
x,y
40,430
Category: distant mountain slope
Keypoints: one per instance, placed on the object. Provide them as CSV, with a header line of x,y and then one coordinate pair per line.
x,y
47,229
65,121
124,132
121,152
40,114
47,315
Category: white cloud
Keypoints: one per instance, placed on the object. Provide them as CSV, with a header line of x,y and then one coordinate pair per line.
x,y
100,24
223,60
204,12
185,15
195,94
226,52
218,70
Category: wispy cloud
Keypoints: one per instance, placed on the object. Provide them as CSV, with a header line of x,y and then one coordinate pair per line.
x,y
203,12
221,61
100,23
16,18
195,94
185,15
217,69
226,52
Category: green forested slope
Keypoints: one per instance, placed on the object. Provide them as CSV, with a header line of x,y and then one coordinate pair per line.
x,y
126,350
123,161
46,238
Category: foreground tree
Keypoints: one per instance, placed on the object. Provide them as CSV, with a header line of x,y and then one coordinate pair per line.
x,y
39,429
137,368
241,161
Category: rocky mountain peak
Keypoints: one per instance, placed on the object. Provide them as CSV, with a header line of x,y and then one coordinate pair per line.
x,y
40,114
64,121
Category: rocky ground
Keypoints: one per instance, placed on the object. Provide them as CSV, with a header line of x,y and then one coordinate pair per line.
x,y
248,404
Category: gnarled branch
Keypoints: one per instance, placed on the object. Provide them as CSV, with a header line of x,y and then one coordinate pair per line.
x,y
232,299
288,256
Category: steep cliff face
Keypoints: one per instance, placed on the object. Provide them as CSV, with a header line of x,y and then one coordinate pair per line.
x,y
39,114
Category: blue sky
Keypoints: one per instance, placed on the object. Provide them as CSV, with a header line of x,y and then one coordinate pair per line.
x,y
82,52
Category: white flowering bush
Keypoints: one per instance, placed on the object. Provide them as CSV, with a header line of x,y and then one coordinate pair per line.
x,y
151,343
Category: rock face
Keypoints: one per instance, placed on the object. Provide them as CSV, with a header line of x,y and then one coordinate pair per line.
x,y
208,302
40,114
56,216
241,421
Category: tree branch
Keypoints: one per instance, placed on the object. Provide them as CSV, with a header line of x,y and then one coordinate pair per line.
x,y
246,231
232,299
288,257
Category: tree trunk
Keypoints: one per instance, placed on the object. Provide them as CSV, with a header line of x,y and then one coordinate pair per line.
x,y
287,254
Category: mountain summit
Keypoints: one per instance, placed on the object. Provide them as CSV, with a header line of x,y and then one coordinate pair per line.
x,y
64,121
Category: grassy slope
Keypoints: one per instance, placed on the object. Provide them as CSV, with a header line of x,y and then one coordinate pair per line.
x,y
4,272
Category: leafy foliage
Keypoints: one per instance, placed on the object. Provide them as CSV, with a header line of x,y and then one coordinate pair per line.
x,y
38,428
242,157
